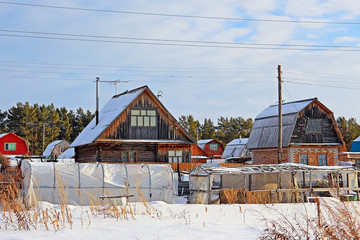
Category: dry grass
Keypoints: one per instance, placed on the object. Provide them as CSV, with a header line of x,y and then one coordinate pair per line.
x,y
14,214
332,220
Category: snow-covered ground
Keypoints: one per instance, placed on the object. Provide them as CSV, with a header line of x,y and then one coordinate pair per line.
x,y
169,221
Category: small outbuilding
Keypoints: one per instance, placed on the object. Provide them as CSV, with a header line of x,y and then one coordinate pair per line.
x,y
212,147
236,151
56,148
11,144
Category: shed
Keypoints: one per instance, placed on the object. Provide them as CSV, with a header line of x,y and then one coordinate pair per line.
x,y
134,126
56,148
68,154
310,134
212,147
11,144
236,151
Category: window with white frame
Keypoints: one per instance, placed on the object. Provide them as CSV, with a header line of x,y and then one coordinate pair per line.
x,y
143,118
304,159
214,146
10,147
175,156
323,160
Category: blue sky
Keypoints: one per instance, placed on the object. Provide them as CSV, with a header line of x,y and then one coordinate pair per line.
x,y
207,82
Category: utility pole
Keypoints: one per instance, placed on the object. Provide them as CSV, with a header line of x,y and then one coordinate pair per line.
x,y
97,101
43,138
280,115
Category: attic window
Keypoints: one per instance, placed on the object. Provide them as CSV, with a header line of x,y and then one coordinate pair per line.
x,y
313,126
214,146
143,118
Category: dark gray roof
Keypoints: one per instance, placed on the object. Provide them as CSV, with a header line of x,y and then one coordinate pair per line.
x,y
265,131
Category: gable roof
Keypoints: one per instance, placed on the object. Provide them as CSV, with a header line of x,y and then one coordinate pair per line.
x,y
50,147
111,111
203,142
235,148
265,133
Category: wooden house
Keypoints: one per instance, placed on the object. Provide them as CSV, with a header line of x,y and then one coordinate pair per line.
x,y
310,135
198,155
133,126
56,148
11,144
212,147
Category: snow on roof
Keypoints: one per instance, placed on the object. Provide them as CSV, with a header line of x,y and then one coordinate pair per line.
x,y
51,147
357,139
287,108
107,115
69,153
235,148
204,141
238,141
3,135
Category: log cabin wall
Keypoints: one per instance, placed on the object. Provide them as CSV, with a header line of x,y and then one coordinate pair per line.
x,y
166,128
322,131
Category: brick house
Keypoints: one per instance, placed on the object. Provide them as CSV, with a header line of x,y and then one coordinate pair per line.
x,y
310,135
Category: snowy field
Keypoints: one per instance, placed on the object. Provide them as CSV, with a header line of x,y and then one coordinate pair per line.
x,y
159,220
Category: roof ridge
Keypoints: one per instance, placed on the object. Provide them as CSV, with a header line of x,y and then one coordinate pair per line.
x,y
303,100
131,91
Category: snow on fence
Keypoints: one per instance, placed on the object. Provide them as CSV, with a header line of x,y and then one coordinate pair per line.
x,y
83,183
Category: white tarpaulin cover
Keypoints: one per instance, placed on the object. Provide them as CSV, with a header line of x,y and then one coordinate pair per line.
x,y
83,183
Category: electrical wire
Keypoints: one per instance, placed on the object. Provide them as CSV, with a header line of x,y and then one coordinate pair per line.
x,y
180,15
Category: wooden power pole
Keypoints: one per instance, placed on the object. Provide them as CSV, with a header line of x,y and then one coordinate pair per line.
x,y
280,115
97,101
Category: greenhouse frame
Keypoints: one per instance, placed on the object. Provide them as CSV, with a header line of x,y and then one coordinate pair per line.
x,y
283,183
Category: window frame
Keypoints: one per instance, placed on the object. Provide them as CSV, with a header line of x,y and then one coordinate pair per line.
x,y
301,160
126,157
143,117
321,161
214,144
175,156
6,146
313,126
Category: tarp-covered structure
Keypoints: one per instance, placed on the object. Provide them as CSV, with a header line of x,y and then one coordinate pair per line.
x,y
83,183
281,183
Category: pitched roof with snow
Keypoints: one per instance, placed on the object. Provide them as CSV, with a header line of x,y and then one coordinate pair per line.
x,y
110,112
69,153
51,147
264,133
107,115
3,135
235,148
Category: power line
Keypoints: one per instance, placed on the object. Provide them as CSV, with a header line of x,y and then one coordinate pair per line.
x,y
181,15
182,45
176,42
324,85
152,67
164,81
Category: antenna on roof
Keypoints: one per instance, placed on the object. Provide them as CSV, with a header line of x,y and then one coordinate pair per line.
x,y
115,82
160,93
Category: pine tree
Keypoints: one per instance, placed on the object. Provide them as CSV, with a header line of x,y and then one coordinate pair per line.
x,y
207,130
189,124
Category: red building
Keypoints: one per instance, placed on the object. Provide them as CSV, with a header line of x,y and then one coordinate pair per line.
x,y
11,144
212,147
